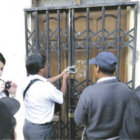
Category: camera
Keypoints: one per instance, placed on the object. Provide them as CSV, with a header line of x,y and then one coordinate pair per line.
x,y
7,85
71,69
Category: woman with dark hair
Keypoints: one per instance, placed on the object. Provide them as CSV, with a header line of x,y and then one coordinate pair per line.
x,y
2,63
5,87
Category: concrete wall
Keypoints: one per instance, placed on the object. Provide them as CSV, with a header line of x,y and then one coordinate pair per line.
x,y
12,45
137,77
71,2
137,74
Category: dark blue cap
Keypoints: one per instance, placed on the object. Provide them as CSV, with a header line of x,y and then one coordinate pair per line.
x,y
106,60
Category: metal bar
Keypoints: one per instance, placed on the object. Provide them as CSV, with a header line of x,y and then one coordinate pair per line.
x,y
67,103
73,38
59,62
79,34
70,37
66,31
53,33
26,33
87,49
33,3
37,31
72,128
106,4
48,43
58,41
118,41
127,33
70,63
103,27
31,34
71,80
134,50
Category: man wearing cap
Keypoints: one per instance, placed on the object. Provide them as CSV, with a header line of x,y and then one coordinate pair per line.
x,y
8,108
40,98
101,106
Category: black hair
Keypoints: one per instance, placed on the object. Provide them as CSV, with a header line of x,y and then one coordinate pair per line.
x,y
34,63
106,71
2,59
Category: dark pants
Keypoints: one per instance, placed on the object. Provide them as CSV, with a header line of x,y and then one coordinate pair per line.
x,y
32,131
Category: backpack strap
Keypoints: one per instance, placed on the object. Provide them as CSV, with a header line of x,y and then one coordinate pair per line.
x,y
57,106
31,82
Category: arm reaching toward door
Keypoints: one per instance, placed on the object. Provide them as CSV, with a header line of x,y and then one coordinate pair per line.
x,y
64,83
57,77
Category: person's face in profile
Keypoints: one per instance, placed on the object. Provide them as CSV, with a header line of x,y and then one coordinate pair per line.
x,y
1,68
43,71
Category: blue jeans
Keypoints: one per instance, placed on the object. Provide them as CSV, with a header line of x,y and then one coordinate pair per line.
x,y
32,131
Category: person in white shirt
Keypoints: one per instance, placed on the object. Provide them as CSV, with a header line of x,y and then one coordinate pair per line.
x,y
10,89
40,99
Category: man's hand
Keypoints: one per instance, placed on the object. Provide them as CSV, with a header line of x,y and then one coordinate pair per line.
x,y
57,77
64,72
66,75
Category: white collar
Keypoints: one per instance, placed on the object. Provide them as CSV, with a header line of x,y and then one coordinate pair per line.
x,y
36,76
106,78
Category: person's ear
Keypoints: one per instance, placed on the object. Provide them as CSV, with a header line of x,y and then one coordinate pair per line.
x,y
40,72
98,69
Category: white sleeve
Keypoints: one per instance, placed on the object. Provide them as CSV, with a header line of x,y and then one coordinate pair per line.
x,y
54,94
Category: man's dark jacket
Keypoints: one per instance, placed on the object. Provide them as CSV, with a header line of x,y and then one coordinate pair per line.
x,y
101,107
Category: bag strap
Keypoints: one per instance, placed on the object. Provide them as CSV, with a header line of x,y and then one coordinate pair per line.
x,y
6,93
31,82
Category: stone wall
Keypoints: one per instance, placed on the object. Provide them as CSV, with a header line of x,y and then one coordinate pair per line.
x,y
47,3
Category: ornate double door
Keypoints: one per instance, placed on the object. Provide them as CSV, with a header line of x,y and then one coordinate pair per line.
x,y
71,36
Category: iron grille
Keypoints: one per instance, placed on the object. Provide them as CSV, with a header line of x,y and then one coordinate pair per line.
x,y
55,32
